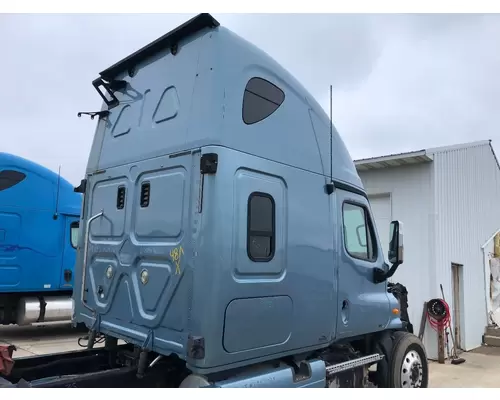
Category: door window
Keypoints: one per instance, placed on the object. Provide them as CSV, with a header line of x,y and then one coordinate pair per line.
x,y
261,227
358,232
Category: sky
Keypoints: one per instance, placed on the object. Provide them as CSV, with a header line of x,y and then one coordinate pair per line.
x,y
401,82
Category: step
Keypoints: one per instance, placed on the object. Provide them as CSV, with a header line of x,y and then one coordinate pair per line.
x,y
492,331
492,340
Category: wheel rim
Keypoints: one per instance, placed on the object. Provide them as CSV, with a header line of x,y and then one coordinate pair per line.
x,y
412,370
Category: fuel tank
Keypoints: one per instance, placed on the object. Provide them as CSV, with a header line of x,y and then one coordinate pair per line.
x,y
44,309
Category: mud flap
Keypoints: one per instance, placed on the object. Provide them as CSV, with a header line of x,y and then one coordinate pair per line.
x,y
401,294
383,345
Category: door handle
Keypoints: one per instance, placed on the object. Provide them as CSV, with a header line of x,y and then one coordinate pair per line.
x,y
345,311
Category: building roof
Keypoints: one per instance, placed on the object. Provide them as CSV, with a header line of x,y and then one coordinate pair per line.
x,y
413,157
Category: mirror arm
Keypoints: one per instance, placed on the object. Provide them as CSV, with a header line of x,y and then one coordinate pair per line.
x,y
379,275
392,270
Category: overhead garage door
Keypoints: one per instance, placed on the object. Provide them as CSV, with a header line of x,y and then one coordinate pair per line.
x,y
381,209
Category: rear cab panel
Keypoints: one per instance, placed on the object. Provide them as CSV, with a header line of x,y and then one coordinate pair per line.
x,y
144,175
132,278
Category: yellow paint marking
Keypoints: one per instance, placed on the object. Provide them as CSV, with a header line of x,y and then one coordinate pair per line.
x,y
176,254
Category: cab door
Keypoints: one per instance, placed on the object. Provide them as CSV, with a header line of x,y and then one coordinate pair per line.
x,y
70,241
363,305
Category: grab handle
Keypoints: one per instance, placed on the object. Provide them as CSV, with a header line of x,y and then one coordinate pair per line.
x,y
85,249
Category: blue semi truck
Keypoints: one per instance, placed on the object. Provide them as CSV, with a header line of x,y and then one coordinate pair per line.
x,y
39,224
226,236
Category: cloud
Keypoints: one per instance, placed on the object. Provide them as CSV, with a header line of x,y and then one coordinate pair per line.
x,y
401,82
433,84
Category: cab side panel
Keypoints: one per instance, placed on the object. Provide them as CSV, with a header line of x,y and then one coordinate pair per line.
x,y
31,240
267,283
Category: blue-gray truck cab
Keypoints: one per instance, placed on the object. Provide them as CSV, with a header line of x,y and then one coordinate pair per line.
x,y
225,234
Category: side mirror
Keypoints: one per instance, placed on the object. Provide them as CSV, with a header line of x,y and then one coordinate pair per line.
x,y
396,243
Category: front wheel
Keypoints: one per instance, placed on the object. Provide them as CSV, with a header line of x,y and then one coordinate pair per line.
x,y
408,367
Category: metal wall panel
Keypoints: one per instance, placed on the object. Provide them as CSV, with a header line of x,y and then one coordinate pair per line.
x,y
467,193
449,208
410,189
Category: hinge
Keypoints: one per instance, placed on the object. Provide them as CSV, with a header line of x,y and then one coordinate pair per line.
x,y
208,163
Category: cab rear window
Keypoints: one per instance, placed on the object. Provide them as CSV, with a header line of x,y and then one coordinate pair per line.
x,y
9,178
260,100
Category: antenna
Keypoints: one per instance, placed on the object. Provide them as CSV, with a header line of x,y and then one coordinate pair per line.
x,y
57,193
331,134
330,186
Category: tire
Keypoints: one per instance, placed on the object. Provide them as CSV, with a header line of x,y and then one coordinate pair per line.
x,y
408,366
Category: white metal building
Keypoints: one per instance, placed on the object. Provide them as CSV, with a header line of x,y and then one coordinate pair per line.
x,y
448,199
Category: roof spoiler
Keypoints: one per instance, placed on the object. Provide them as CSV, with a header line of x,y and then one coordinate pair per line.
x,y
170,40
